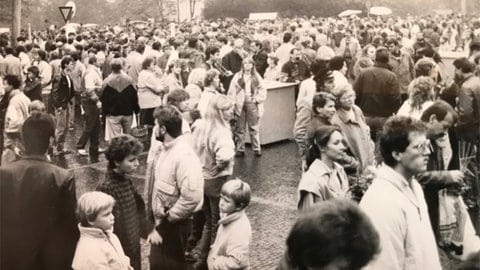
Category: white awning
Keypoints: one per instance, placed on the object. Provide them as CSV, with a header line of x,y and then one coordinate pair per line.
x,y
263,16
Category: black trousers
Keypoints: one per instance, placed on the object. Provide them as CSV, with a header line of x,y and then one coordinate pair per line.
x,y
170,254
91,132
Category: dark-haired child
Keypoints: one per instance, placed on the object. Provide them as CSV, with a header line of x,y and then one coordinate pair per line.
x,y
129,210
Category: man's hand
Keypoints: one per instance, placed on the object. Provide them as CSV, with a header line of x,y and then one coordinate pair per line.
x,y
154,238
99,105
457,176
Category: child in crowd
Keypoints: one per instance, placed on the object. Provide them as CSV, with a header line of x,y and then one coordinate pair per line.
x,y
231,247
36,106
129,210
98,247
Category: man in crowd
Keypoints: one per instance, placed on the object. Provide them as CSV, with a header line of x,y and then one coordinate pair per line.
x,y
442,169
174,190
406,235
259,56
39,228
295,69
402,65
46,76
16,111
468,100
134,62
61,98
333,234
91,104
378,92
233,61
284,51
11,64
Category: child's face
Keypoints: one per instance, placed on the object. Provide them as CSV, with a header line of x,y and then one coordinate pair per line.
x,y
227,205
104,220
128,165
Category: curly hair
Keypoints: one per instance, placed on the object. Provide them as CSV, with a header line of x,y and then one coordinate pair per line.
x,y
120,147
419,91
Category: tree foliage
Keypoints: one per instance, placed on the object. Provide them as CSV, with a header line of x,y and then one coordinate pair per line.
x,y
326,8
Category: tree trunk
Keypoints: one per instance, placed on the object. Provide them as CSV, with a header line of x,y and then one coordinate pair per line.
x,y
160,9
16,20
192,9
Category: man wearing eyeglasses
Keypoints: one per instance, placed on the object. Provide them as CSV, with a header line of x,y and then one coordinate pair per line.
x,y
395,202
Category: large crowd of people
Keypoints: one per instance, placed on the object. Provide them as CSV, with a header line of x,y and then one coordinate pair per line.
x,y
389,142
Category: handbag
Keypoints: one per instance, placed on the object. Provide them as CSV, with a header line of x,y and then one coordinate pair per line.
x,y
139,131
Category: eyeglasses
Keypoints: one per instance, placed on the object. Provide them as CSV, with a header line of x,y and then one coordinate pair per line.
x,y
423,146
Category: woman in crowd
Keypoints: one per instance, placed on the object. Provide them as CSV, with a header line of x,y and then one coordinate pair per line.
x,y
324,179
195,85
249,94
33,84
272,73
351,121
420,97
173,79
150,91
212,88
366,59
212,139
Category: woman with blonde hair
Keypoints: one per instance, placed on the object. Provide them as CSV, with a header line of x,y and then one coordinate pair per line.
x,y
248,92
212,141
195,85
420,96
212,87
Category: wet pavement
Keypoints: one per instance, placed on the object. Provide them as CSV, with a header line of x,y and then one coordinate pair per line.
x,y
273,178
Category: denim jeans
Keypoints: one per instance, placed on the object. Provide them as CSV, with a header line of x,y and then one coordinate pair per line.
x,y
91,132
249,116
62,117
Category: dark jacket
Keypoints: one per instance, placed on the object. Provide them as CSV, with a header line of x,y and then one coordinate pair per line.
x,y
378,92
129,212
469,107
261,64
62,94
119,96
38,226
33,90
433,180
231,61
297,71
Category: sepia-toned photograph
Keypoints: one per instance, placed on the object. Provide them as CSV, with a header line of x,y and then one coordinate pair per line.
x,y
239,135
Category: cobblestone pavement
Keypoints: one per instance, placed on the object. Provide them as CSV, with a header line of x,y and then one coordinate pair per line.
x,y
273,178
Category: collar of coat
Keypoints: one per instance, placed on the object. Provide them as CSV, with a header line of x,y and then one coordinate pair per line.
x,y
382,65
232,217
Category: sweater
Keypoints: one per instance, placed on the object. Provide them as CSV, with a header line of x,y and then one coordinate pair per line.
x,y
129,212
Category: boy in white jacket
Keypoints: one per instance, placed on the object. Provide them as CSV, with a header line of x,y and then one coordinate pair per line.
x,y
232,244
98,247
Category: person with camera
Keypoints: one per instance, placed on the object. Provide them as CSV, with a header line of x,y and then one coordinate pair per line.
x,y
295,69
